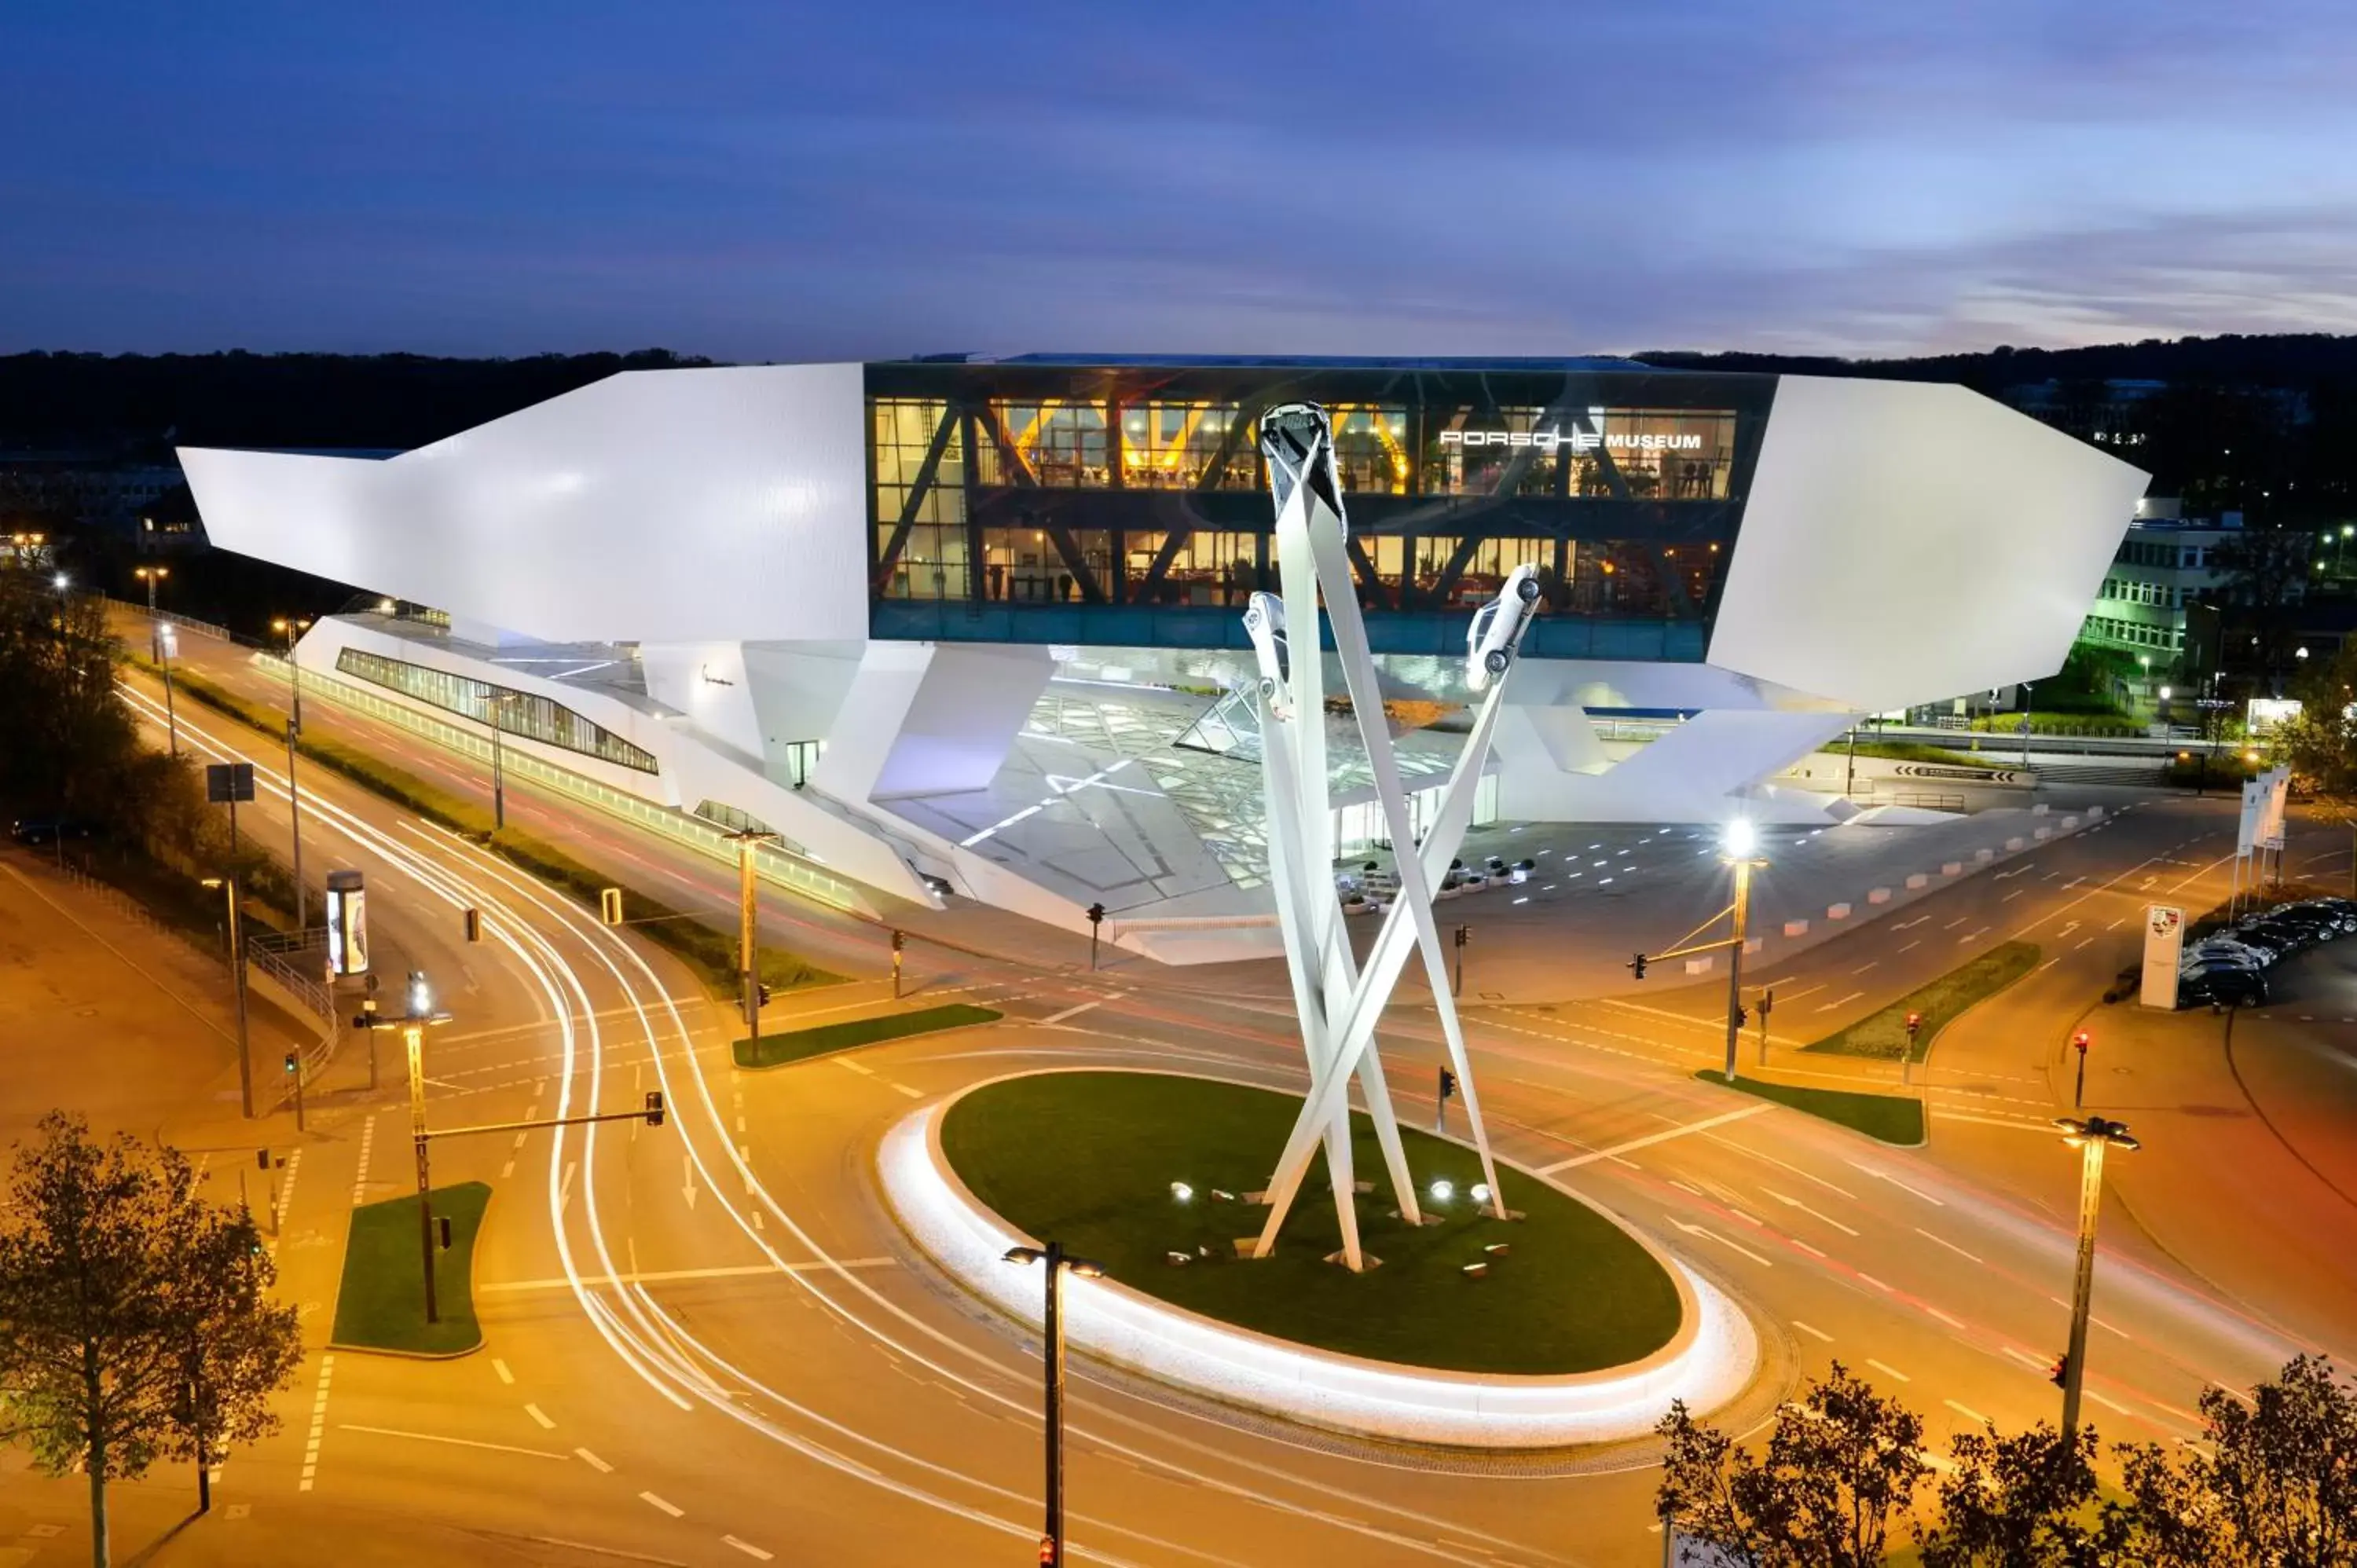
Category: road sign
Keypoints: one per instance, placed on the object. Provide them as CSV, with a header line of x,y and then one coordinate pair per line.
x,y
348,923
228,781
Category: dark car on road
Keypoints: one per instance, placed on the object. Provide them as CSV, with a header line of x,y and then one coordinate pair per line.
x,y
50,830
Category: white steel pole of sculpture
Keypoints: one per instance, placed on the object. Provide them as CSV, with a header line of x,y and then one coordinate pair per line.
x,y
1337,1004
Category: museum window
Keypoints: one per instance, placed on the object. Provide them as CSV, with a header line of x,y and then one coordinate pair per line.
x,y
1209,567
1061,443
523,714
931,561
1631,453
1370,447
1174,446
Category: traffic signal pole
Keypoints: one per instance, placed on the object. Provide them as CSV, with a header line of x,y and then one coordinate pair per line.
x,y
2082,1286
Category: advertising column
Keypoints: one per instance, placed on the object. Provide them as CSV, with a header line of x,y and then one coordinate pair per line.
x,y
2164,941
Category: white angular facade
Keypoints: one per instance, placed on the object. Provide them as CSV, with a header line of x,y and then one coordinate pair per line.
x,y
939,623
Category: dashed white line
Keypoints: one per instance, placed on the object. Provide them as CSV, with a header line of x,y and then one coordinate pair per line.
x,y
2092,1318
2114,1406
913,1092
1811,1328
654,1501
1876,1283
594,1462
1887,1367
862,1069
748,1548
1948,1244
360,1176
541,1416
501,1369
1968,1413
1058,1018
1844,1002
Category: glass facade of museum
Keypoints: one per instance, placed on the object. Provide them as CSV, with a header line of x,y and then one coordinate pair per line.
x,y
1124,503
524,713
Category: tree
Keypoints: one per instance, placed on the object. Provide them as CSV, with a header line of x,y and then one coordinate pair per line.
x,y
2280,1491
1838,1467
2022,1502
237,1345
114,1277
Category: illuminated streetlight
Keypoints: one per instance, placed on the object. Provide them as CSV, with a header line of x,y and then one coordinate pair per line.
x,y
1739,847
2091,1137
1051,1542
237,970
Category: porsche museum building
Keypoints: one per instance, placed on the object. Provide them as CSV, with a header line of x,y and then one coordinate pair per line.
x,y
974,625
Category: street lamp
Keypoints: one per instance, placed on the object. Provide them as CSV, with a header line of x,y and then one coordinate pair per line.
x,y
2091,1137
168,646
751,993
237,971
292,630
1739,848
414,1021
1051,1543
151,575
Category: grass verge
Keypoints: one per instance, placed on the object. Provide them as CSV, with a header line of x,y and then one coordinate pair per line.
x,y
825,1039
1891,1118
1913,751
1883,1035
382,1304
709,951
1088,1157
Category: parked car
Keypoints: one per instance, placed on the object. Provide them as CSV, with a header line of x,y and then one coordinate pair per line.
x,y
2326,921
51,829
2281,937
2222,986
2230,949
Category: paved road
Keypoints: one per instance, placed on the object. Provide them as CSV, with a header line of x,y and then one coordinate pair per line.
x,y
707,1343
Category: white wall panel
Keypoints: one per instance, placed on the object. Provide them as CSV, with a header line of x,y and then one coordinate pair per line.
x,y
725,504
1908,541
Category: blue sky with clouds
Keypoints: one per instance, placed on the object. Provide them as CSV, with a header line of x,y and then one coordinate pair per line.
x,y
786,180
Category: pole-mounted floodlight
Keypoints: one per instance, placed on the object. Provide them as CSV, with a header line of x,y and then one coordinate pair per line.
x,y
2092,1137
1741,839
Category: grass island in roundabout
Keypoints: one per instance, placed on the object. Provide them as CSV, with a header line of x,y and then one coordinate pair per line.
x,y
1568,1328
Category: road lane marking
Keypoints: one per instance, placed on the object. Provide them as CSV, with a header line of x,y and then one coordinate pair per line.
x,y
1796,1203
1972,936
501,1369
318,1414
2092,1318
911,1092
1870,963
1651,1138
1780,1165
862,1069
1883,1175
1844,1002
2114,1406
658,1276
1878,1284
1916,943
541,1416
1887,1367
454,1442
2046,1128
1948,1244
594,1462
360,1176
672,1509
2082,943
1706,1231
1811,1328
2033,1363
748,1549
1951,1322
1817,1253
1058,1018
1968,1413
2012,895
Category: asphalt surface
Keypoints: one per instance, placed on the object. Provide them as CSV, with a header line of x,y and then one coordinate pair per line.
x,y
708,1343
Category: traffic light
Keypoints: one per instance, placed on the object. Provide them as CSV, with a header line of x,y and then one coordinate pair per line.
x,y
1767,1002
609,906
654,1108
1461,935
1742,1016
900,939
1637,966
2079,1042
761,990
2059,1374
1447,1083
1096,914
290,1061
1914,1022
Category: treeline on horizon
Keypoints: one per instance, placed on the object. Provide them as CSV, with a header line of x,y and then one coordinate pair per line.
x,y
144,403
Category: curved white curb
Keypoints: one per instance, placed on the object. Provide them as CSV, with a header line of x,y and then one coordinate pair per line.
x,y
1706,1363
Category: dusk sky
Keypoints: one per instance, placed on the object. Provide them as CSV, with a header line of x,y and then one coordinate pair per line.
x,y
791,181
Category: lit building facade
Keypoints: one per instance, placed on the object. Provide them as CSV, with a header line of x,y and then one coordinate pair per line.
x,y
976,625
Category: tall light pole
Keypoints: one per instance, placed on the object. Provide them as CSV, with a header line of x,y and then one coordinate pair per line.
x,y
168,641
1051,1541
413,1024
1740,849
2091,1137
237,971
499,760
292,630
151,575
749,927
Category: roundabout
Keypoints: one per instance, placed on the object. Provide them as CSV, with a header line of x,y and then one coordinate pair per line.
x,y
1560,1327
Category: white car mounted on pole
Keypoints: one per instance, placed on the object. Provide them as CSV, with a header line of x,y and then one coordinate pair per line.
x,y
1337,1004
